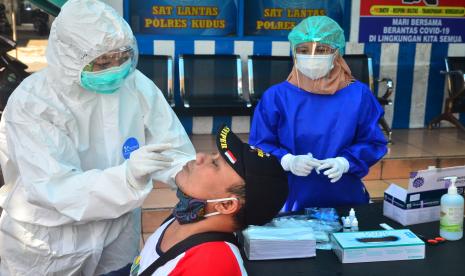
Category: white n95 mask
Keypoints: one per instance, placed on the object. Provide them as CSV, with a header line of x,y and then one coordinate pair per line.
x,y
314,66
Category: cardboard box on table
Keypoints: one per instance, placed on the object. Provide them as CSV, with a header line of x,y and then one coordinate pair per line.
x,y
420,203
377,246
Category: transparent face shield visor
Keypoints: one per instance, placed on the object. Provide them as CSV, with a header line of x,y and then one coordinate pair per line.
x,y
113,58
106,73
314,60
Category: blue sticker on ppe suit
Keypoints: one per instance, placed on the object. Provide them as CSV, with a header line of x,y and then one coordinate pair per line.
x,y
129,146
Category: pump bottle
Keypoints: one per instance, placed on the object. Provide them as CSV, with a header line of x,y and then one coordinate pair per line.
x,y
451,222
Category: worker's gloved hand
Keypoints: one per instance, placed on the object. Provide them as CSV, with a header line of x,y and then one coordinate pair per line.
x,y
300,165
334,167
145,161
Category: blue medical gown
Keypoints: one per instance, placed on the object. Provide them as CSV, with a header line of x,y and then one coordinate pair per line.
x,y
290,120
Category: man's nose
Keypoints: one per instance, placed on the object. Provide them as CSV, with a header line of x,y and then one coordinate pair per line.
x,y
200,158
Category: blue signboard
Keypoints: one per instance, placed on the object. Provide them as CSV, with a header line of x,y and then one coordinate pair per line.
x,y
278,17
401,21
184,17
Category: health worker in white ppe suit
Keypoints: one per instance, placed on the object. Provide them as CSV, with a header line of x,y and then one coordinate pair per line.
x,y
80,142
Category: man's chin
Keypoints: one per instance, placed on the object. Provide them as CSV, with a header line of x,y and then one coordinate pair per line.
x,y
178,179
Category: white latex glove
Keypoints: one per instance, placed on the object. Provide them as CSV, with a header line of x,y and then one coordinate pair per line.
x,y
334,167
144,161
300,165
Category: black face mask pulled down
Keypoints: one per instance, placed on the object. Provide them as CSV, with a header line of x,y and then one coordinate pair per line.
x,y
189,209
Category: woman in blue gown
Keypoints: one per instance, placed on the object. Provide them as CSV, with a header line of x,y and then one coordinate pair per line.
x,y
321,123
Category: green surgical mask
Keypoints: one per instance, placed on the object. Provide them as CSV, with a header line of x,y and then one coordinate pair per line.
x,y
106,81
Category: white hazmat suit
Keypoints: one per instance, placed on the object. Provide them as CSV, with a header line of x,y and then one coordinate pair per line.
x,y
67,206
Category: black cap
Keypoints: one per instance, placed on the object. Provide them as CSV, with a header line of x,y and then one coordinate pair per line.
x,y
266,186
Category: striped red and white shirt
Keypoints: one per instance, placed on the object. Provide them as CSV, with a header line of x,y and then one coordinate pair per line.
x,y
210,258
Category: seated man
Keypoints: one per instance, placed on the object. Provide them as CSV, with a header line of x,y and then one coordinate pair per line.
x,y
218,194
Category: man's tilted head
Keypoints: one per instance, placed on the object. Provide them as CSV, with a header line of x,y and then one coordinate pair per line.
x,y
242,180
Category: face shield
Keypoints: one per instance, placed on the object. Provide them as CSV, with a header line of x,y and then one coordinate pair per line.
x,y
106,73
313,59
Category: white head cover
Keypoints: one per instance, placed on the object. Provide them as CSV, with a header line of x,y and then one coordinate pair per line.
x,y
83,31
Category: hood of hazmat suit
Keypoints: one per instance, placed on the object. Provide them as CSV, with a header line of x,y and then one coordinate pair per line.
x,y
67,206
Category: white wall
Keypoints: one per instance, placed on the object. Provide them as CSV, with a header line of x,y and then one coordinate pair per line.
x,y
116,4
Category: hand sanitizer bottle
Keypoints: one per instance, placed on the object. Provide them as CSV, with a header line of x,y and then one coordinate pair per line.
x,y
451,222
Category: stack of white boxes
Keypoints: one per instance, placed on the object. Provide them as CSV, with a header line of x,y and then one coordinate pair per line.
x,y
270,242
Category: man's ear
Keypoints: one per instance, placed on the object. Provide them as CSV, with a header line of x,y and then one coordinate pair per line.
x,y
228,207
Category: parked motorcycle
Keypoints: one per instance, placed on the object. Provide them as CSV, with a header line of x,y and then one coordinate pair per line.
x,y
40,22
12,71
5,27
